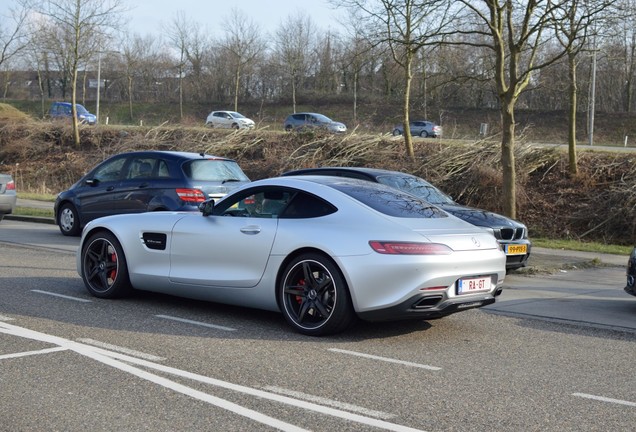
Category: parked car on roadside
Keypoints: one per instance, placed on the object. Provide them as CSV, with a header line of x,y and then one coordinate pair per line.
x,y
511,234
630,287
306,120
420,128
62,110
229,120
144,181
8,195
323,251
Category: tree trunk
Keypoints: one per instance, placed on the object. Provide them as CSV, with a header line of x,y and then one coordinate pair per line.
x,y
408,75
508,158
76,135
237,78
572,165
130,101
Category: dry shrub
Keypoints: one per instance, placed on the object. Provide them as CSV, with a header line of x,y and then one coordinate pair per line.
x,y
599,204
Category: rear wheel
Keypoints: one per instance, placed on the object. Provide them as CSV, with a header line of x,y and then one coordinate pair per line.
x,y
289,128
104,268
68,220
314,297
396,132
424,134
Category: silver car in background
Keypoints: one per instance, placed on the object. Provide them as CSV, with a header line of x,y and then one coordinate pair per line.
x,y
229,120
421,128
8,196
307,120
321,250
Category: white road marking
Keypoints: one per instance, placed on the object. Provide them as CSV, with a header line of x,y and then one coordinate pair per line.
x,y
121,349
604,399
386,359
198,323
62,296
30,353
330,402
5,318
123,362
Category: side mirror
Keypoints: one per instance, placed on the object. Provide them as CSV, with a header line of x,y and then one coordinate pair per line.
x,y
92,182
206,207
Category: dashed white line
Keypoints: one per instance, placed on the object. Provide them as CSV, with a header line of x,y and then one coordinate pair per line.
x,y
121,349
198,323
330,402
62,296
605,399
30,353
386,359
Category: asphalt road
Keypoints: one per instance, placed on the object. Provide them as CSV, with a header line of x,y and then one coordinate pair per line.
x,y
552,354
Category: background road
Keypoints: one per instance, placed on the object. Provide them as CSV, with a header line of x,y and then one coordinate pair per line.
x,y
531,361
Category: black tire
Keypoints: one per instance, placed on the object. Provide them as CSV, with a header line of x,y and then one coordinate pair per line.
x,y
396,132
424,134
289,128
104,268
314,297
68,220
235,126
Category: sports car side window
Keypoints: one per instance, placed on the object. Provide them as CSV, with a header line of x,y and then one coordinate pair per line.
x,y
304,205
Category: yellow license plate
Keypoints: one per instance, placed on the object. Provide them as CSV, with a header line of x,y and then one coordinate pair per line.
x,y
516,249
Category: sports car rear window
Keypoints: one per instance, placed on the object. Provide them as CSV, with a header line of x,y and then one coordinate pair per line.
x,y
390,201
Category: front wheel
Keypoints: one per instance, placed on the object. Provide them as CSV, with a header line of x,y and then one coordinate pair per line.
x,y
68,220
397,132
104,267
313,296
424,134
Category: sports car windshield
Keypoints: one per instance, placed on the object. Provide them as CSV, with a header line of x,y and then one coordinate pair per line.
x,y
391,202
417,187
214,170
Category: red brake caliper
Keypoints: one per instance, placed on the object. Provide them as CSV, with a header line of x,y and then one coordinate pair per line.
x,y
113,273
299,299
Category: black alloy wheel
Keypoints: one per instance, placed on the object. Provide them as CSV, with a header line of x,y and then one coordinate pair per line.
x,y
314,296
104,268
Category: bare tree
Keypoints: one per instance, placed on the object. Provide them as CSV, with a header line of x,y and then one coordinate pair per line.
x,y
405,26
83,24
514,31
13,29
178,33
244,44
575,23
294,42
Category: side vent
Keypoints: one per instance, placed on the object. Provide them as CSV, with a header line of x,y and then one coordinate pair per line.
x,y
155,241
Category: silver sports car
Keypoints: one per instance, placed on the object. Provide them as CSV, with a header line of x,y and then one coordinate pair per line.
x,y
321,250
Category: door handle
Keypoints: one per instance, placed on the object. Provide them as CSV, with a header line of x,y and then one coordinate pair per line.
x,y
251,230
110,188
143,185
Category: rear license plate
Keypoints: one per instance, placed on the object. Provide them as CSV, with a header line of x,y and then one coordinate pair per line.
x,y
472,285
516,249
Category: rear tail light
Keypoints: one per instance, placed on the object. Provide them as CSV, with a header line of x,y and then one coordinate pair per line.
x,y
11,185
405,248
191,195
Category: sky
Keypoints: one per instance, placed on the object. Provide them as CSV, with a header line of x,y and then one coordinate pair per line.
x,y
148,17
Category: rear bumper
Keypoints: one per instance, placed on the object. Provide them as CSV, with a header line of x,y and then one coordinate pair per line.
x,y
429,306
